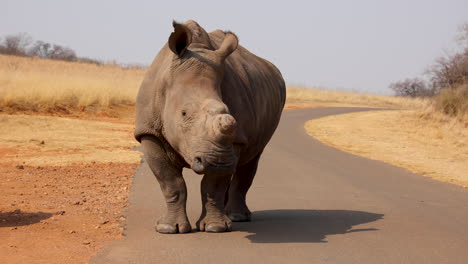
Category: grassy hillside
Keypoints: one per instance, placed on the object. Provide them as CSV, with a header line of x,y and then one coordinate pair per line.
x,y
27,83
31,84
436,147
306,96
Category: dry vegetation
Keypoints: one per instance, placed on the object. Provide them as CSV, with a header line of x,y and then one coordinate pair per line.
x,y
428,143
49,85
305,97
32,84
44,140
453,103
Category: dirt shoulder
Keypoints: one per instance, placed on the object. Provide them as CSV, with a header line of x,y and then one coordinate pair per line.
x,y
65,184
61,214
428,146
38,140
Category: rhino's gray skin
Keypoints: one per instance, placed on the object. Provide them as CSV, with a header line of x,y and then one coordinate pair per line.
x,y
210,105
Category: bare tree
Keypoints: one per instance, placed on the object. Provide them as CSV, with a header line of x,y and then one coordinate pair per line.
x,y
40,49
56,52
21,45
16,44
62,53
452,71
411,87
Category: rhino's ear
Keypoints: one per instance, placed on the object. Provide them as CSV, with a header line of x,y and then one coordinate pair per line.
x,y
180,39
229,45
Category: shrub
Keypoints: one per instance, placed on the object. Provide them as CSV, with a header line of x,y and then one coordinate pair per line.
x,y
447,72
453,102
20,45
15,44
411,87
452,71
45,50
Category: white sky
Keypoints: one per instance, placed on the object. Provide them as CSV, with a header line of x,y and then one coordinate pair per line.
x,y
349,45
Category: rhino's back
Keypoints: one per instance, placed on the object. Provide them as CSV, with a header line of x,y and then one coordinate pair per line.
x,y
255,93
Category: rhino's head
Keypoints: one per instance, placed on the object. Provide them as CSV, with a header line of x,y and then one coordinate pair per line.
x,y
196,122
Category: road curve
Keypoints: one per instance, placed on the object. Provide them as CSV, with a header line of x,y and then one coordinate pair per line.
x,y
311,204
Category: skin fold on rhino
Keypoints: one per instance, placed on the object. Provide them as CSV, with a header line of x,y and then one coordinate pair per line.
x,y
208,104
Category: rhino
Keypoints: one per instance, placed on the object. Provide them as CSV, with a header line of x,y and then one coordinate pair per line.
x,y
208,104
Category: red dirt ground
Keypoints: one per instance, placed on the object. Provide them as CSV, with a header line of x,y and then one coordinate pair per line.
x,y
62,214
59,214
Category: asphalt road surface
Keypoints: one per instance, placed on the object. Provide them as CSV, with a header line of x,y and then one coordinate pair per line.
x,y
311,204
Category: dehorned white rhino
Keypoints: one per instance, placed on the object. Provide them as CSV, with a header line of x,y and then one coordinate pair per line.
x,y
208,104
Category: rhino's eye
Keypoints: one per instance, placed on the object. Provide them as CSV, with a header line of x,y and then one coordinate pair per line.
x,y
184,113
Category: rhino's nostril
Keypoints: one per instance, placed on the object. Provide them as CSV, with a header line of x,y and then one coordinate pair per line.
x,y
197,165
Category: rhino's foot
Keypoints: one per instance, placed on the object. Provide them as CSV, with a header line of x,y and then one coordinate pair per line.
x,y
240,217
166,226
238,212
214,224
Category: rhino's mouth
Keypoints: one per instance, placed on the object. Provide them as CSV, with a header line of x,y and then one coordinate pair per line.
x,y
214,163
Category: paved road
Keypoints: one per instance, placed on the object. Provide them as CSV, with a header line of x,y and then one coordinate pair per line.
x,y
311,204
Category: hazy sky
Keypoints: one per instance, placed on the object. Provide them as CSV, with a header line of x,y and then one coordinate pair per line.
x,y
353,45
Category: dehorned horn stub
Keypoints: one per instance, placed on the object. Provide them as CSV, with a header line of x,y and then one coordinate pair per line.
x,y
227,124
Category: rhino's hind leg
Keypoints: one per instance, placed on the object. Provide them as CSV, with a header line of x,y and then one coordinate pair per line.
x,y
172,185
213,217
236,206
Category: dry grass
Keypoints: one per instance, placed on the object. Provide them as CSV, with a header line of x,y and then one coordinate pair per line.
x,y
27,83
44,140
453,102
31,84
308,96
428,143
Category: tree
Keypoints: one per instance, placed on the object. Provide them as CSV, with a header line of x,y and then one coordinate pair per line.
x,y
411,87
452,71
449,72
40,49
16,44
62,53
49,51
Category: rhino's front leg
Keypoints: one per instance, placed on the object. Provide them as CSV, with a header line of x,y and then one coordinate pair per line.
x,y
236,205
213,217
172,185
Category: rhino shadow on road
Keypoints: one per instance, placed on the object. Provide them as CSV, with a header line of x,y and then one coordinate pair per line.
x,y
304,226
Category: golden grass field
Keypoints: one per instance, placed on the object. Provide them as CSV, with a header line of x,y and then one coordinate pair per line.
x,y
305,96
32,85
39,140
426,144
30,82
